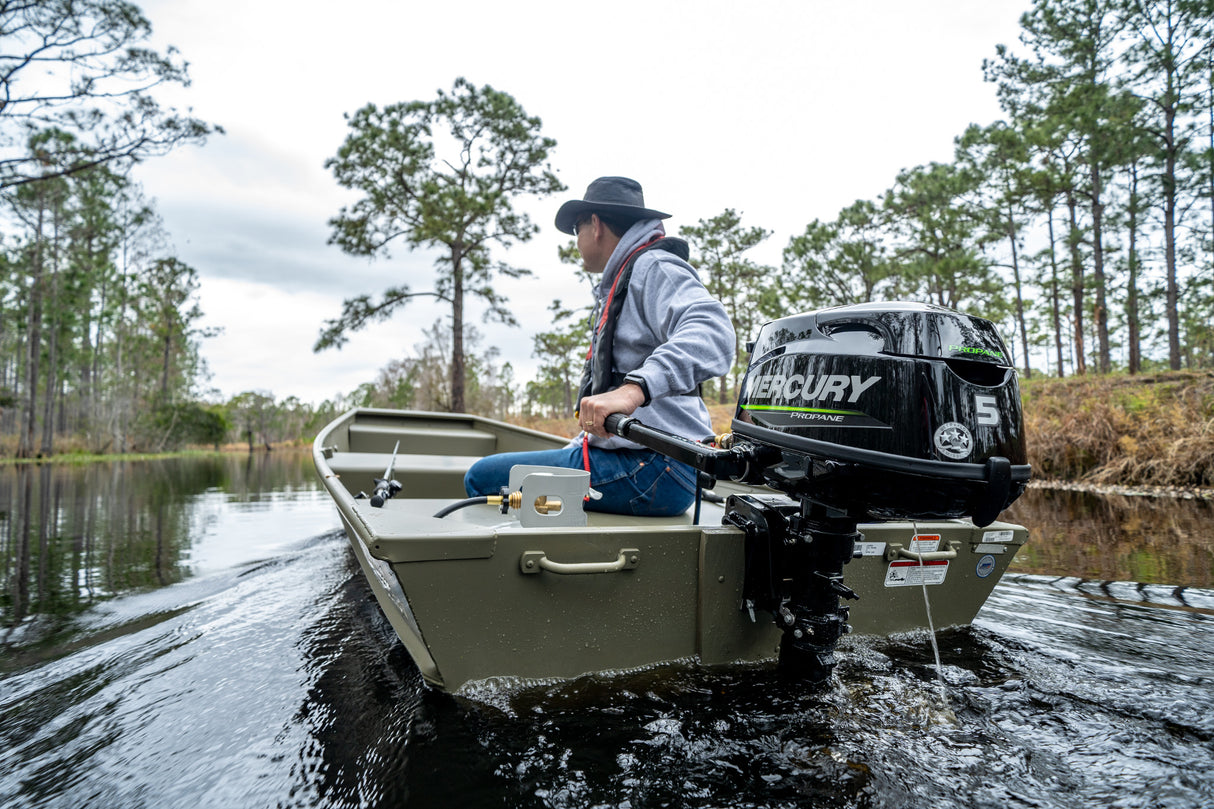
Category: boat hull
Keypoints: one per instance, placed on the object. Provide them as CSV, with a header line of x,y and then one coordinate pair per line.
x,y
469,600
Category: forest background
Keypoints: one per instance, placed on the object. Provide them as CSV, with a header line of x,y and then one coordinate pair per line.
x,y
1081,222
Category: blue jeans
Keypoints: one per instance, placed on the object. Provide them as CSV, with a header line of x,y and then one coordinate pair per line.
x,y
639,482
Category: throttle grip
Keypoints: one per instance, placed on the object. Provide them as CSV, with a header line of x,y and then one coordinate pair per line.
x,y
618,423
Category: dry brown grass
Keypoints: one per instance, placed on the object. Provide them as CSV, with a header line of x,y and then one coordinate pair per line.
x,y
71,444
721,415
566,427
1150,429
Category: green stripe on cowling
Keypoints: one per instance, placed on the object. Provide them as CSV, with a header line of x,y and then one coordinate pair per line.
x,y
774,409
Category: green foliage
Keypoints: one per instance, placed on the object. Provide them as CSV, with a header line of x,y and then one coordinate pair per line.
x,y
439,175
562,354
1108,93
95,313
185,423
167,290
1169,61
91,312
254,414
939,238
836,263
1000,154
363,310
718,247
83,67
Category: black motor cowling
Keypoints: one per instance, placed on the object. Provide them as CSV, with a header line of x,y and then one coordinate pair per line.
x,y
893,410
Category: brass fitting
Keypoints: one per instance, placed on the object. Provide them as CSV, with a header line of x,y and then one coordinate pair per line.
x,y
512,500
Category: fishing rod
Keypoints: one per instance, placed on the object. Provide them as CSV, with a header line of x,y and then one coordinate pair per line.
x,y
386,486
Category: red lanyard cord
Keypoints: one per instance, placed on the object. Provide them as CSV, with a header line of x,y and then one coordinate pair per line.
x,y
611,293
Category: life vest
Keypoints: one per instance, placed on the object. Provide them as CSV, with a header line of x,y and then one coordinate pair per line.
x,y
598,375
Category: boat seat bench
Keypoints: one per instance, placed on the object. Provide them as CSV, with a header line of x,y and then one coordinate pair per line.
x,y
419,475
421,441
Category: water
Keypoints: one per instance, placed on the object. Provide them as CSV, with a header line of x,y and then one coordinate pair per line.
x,y
198,634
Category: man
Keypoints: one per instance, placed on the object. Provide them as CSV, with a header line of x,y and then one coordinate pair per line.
x,y
657,335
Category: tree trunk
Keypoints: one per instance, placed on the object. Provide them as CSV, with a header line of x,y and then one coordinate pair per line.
x,y
1101,314
1056,305
166,354
1024,332
33,346
7,363
457,333
1134,336
48,404
1169,236
1081,365
118,426
86,419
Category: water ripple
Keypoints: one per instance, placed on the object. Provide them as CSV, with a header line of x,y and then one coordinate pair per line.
x,y
268,677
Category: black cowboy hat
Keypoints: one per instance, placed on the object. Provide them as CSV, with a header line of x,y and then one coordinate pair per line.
x,y
617,197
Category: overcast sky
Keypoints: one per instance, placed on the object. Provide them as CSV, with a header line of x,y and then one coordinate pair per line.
x,y
786,111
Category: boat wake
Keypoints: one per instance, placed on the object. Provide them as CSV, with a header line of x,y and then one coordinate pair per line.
x,y
275,680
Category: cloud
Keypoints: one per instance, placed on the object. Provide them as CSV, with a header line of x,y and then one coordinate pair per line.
x,y
267,338
784,109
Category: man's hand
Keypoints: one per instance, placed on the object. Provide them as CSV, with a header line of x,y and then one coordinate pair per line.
x,y
594,410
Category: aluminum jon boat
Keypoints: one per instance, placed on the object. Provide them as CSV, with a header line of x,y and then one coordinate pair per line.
x,y
871,451
547,590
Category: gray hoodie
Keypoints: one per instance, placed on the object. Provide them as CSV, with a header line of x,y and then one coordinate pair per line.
x,y
670,331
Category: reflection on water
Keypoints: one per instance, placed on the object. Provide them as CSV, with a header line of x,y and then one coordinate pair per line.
x,y
1110,537
198,634
75,535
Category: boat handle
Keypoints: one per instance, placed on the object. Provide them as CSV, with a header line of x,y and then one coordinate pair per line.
x,y
535,561
896,551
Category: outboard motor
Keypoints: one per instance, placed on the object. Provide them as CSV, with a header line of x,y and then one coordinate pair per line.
x,y
857,413
887,410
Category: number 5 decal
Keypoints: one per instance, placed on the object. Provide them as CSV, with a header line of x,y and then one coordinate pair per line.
x,y
988,410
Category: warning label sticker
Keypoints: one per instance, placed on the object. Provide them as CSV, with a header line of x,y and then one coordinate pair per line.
x,y
925,543
908,573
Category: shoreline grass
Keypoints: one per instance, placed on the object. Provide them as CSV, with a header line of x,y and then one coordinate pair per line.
x,y
1152,432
